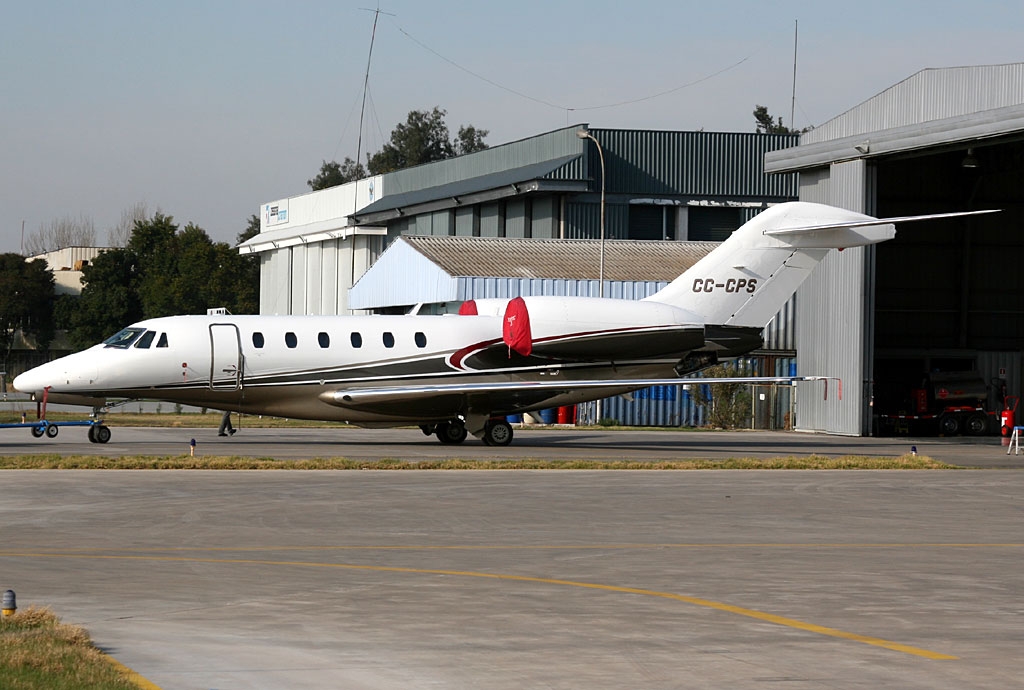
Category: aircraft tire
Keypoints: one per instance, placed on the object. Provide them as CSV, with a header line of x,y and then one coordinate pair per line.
x,y
92,434
38,431
498,433
451,433
52,430
102,434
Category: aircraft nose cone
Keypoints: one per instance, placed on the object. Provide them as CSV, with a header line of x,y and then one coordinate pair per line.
x,y
26,383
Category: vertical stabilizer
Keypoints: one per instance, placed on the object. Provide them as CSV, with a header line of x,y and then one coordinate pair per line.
x,y
749,277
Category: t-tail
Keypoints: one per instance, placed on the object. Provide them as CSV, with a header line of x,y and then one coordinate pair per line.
x,y
748,279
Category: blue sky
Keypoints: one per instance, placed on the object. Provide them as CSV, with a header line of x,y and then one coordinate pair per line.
x,y
206,109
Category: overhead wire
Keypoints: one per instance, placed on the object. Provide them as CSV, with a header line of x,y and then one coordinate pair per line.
x,y
566,108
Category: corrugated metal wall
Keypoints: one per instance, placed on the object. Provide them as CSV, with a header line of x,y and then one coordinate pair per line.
x,y
583,221
833,307
483,288
314,278
780,333
691,163
677,405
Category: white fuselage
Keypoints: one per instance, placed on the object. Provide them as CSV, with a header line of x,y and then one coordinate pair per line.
x,y
283,365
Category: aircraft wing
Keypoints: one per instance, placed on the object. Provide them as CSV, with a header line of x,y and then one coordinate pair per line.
x,y
516,394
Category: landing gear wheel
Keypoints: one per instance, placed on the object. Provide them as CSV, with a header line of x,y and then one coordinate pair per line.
x,y
92,434
102,434
497,433
977,425
38,431
451,433
949,425
52,430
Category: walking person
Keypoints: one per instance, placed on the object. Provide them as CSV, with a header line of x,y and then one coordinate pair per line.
x,y
225,425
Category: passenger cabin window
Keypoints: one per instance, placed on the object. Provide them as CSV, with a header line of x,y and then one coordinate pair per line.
x,y
421,340
389,340
122,339
324,340
162,342
257,340
290,340
357,340
146,340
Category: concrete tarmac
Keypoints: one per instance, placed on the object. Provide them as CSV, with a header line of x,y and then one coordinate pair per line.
x,y
530,579
535,442
527,579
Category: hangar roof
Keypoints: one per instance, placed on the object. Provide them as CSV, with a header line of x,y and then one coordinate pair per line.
x,y
547,258
500,184
450,268
933,107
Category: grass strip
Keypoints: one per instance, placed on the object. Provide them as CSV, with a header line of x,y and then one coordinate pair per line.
x,y
38,652
185,462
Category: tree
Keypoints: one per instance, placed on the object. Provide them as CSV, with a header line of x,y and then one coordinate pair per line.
x,y
26,302
60,233
246,273
162,271
154,244
727,404
766,124
119,235
333,174
424,138
470,140
109,300
251,230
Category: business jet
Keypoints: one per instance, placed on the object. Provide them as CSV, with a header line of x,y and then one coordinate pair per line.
x,y
461,374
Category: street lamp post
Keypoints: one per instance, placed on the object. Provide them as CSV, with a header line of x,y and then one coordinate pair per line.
x,y
585,134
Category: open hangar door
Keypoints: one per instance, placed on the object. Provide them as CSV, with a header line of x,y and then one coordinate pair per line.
x,y
949,294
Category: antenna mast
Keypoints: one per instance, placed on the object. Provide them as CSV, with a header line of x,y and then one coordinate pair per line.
x,y
366,85
792,103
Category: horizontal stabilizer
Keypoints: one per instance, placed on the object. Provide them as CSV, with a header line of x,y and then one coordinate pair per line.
x,y
775,232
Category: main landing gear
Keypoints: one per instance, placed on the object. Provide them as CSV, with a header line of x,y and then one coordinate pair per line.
x,y
451,433
496,432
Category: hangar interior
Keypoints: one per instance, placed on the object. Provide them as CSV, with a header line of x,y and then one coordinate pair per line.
x,y
949,295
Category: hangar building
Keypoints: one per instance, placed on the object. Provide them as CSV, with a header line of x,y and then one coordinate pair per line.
x,y
660,186
944,295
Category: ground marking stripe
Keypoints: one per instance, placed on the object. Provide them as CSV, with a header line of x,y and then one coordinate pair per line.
x,y
133,676
706,603
544,547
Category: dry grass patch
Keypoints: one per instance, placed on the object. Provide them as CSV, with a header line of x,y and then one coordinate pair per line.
x,y
185,462
38,652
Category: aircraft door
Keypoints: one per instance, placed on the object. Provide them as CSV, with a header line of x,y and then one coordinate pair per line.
x,y
226,361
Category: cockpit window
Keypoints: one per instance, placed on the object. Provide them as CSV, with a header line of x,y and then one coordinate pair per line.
x,y
123,339
162,342
146,340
